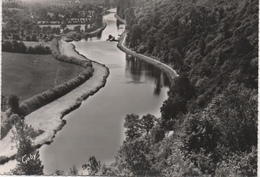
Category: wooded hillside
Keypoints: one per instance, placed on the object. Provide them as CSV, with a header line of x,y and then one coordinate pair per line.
x,y
209,122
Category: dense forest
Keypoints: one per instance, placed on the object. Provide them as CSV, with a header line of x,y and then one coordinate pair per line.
x,y
209,121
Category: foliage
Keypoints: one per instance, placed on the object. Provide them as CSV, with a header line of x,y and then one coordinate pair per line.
x,y
212,105
132,157
20,47
147,122
93,165
133,127
25,166
13,103
73,171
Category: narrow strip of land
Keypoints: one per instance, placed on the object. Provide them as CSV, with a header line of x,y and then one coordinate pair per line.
x,y
98,30
121,45
120,19
49,118
167,69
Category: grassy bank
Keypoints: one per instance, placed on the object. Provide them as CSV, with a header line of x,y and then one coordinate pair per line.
x,y
27,74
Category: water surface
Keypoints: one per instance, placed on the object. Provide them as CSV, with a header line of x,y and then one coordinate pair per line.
x,y
96,128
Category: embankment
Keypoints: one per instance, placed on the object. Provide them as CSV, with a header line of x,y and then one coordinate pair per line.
x,y
76,36
120,19
49,117
168,70
95,32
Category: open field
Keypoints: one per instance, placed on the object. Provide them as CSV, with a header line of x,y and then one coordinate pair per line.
x,y
26,75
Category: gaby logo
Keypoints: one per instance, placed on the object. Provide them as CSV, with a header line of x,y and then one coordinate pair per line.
x,y
27,158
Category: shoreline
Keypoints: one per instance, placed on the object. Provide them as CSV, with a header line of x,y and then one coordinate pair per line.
x,y
50,117
171,73
89,34
99,30
120,19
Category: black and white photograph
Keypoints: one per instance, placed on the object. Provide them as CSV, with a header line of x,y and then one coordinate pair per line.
x,y
147,88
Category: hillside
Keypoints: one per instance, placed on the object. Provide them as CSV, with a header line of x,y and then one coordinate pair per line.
x,y
209,122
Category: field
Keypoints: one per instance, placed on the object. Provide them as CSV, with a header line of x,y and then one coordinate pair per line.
x,y
26,75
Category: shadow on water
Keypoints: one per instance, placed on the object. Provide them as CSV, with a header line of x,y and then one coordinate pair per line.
x,y
139,71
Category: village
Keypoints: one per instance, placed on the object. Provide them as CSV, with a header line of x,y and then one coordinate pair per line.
x,y
82,17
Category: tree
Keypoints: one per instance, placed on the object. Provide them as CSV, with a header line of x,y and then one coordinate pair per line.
x,y
28,38
175,57
74,14
28,158
73,171
31,50
99,20
135,35
77,28
13,103
132,156
170,109
7,46
15,46
129,14
202,131
147,122
57,30
59,173
93,165
133,128
63,26
21,47
107,3
183,87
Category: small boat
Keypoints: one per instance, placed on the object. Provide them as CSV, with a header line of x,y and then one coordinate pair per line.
x,y
111,38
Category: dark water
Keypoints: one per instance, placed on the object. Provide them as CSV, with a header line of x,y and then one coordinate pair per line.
x,y
96,128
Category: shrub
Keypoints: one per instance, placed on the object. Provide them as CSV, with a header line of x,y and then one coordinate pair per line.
x,y
7,46
28,38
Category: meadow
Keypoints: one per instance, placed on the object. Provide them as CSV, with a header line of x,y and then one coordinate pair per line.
x,y
27,75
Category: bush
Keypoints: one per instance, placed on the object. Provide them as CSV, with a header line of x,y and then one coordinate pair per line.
x,y
28,38
7,46
34,37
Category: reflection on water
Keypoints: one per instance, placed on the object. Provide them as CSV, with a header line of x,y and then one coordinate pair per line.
x,y
96,127
139,71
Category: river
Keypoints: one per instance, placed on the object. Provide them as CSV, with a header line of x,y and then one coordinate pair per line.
x,y
96,127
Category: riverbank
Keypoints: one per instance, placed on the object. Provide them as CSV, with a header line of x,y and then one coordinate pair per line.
x,y
120,19
49,117
94,33
167,69
97,31
121,45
